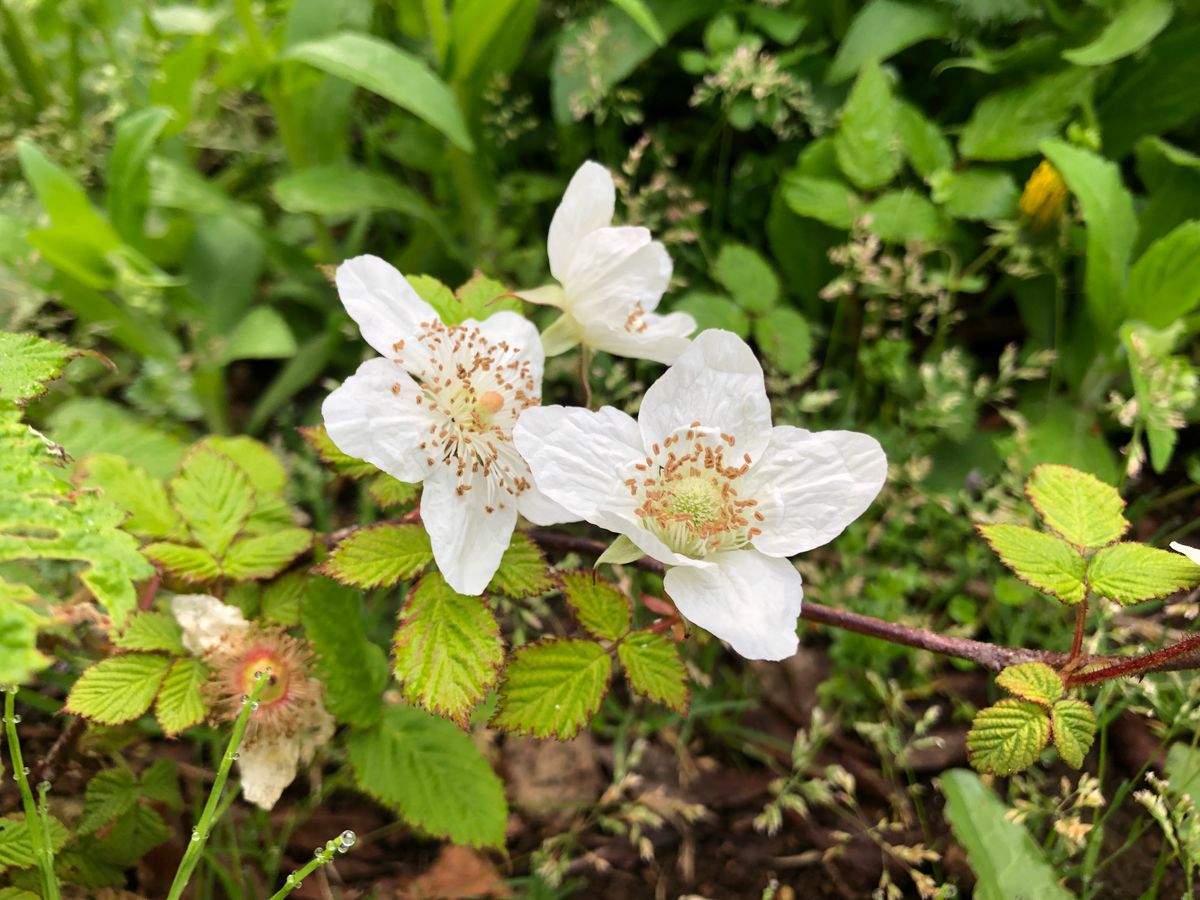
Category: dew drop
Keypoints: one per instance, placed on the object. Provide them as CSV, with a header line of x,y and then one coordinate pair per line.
x,y
258,676
195,834
291,879
245,699
25,769
349,838
16,720
254,706
235,756
317,853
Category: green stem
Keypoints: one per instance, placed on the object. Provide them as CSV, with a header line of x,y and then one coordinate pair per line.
x,y
24,63
195,847
37,823
339,844
583,376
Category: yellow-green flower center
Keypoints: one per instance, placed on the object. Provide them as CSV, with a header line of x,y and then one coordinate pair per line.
x,y
696,498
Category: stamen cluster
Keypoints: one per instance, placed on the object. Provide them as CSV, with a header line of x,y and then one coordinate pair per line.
x,y
285,705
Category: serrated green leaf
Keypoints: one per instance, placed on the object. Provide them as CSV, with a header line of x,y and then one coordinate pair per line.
x,y
867,140
262,467
189,563
16,850
926,147
1033,681
380,556
553,687
1012,122
180,702
785,339
1074,730
600,607
135,491
1130,573
214,497
152,631
19,656
523,571
265,555
1077,505
327,450
432,773
134,834
353,669
654,669
119,689
27,364
282,597
109,794
1008,737
14,893
160,782
1045,561
824,199
748,277
391,493
481,297
448,649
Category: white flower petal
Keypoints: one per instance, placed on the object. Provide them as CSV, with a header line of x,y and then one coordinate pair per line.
x,y
1191,553
661,338
368,418
316,730
206,621
811,485
267,767
541,510
587,204
717,382
613,269
520,334
467,540
748,599
382,302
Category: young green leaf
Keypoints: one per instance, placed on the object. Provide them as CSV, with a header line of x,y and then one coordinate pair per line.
x,y
354,669
1012,122
1135,25
1130,573
16,850
265,555
881,29
748,277
926,147
180,702
318,438
160,782
109,794
136,491
553,687
600,607
448,649
867,141
1076,505
654,669
823,199
1033,681
19,656
27,365
152,631
380,556
1164,283
785,339
281,598
1074,730
1008,737
263,469
189,563
523,571
1043,561
118,689
432,773
390,492
214,497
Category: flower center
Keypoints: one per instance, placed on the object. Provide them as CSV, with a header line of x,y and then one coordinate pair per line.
x,y
275,670
689,494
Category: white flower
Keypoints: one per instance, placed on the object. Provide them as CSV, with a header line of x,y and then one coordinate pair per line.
x,y
290,722
703,483
439,408
610,279
1191,553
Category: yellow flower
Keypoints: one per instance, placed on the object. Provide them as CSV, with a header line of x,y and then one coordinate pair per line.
x,y
1044,197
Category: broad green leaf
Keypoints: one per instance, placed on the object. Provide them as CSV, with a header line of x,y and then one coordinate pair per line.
x,y
1135,25
149,631
823,199
318,439
1077,505
1043,561
977,194
553,687
785,339
223,267
713,311
523,571
478,298
926,147
905,216
654,669
881,29
1007,861
354,669
214,497
380,556
86,425
340,189
867,141
1130,573
448,649
118,689
19,656
260,465
600,607
748,277
262,333
1033,681
1157,374
282,597
1164,283
160,782
1074,730
488,37
110,793
394,74
1014,121
1008,737
432,773
136,491
265,555
27,364
189,563
16,849
644,17
391,493
134,834
65,201
128,177
180,702
1183,770
1111,227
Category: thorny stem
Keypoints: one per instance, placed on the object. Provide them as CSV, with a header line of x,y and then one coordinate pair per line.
x,y
1081,612
208,817
35,823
